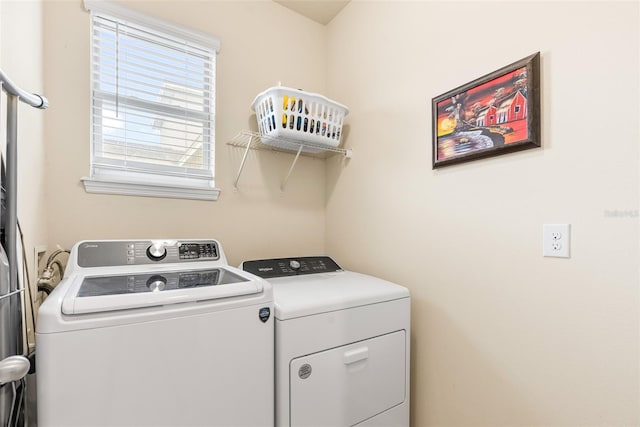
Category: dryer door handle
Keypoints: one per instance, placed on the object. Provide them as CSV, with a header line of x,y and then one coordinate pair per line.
x,y
353,356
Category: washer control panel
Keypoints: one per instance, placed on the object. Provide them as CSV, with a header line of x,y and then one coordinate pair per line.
x,y
282,267
137,252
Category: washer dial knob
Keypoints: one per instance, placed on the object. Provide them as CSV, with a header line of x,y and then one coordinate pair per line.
x,y
156,283
156,252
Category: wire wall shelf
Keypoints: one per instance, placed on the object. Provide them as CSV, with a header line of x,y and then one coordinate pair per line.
x,y
250,140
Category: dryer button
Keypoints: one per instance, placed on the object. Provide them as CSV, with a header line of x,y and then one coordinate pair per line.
x,y
295,265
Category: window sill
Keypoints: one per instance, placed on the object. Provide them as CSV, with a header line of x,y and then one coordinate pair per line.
x,y
146,189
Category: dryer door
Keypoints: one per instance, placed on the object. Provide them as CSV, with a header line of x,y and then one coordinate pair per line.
x,y
349,384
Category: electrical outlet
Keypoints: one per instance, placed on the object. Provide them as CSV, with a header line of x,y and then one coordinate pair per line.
x,y
39,253
556,239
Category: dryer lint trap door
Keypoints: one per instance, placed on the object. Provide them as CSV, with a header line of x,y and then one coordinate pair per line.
x,y
350,384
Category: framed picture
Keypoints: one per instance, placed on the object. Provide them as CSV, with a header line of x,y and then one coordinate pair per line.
x,y
496,114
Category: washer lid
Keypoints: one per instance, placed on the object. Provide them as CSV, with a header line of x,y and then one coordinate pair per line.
x,y
320,293
91,294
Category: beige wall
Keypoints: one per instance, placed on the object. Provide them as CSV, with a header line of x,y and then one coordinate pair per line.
x,y
21,51
501,335
261,43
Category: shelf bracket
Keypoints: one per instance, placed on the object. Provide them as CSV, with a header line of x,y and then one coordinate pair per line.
x,y
257,142
284,183
244,159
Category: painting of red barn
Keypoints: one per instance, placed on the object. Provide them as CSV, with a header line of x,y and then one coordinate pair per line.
x,y
495,114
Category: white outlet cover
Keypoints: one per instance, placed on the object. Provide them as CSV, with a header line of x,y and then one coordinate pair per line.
x,y
556,240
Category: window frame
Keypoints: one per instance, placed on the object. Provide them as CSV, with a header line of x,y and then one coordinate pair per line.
x,y
146,183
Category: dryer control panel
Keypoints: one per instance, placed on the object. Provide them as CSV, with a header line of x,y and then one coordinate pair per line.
x,y
137,252
282,267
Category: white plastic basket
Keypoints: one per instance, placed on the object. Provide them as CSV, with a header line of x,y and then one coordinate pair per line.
x,y
285,114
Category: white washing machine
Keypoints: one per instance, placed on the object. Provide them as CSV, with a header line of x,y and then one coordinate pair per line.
x,y
342,344
155,333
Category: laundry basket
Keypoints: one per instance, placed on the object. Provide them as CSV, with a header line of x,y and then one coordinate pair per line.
x,y
289,117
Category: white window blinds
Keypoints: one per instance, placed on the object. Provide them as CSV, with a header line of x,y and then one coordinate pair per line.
x,y
153,104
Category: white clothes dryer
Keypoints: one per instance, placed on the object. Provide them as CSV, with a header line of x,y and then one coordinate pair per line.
x,y
155,333
342,344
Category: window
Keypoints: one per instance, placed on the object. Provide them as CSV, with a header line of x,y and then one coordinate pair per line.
x,y
152,100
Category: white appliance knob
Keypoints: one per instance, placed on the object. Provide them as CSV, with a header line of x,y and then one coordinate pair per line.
x,y
156,283
295,265
156,252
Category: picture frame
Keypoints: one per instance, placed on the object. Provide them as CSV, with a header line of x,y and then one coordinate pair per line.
x,y
496,114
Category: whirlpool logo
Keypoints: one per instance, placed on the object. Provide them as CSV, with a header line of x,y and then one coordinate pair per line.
x,y
264,314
